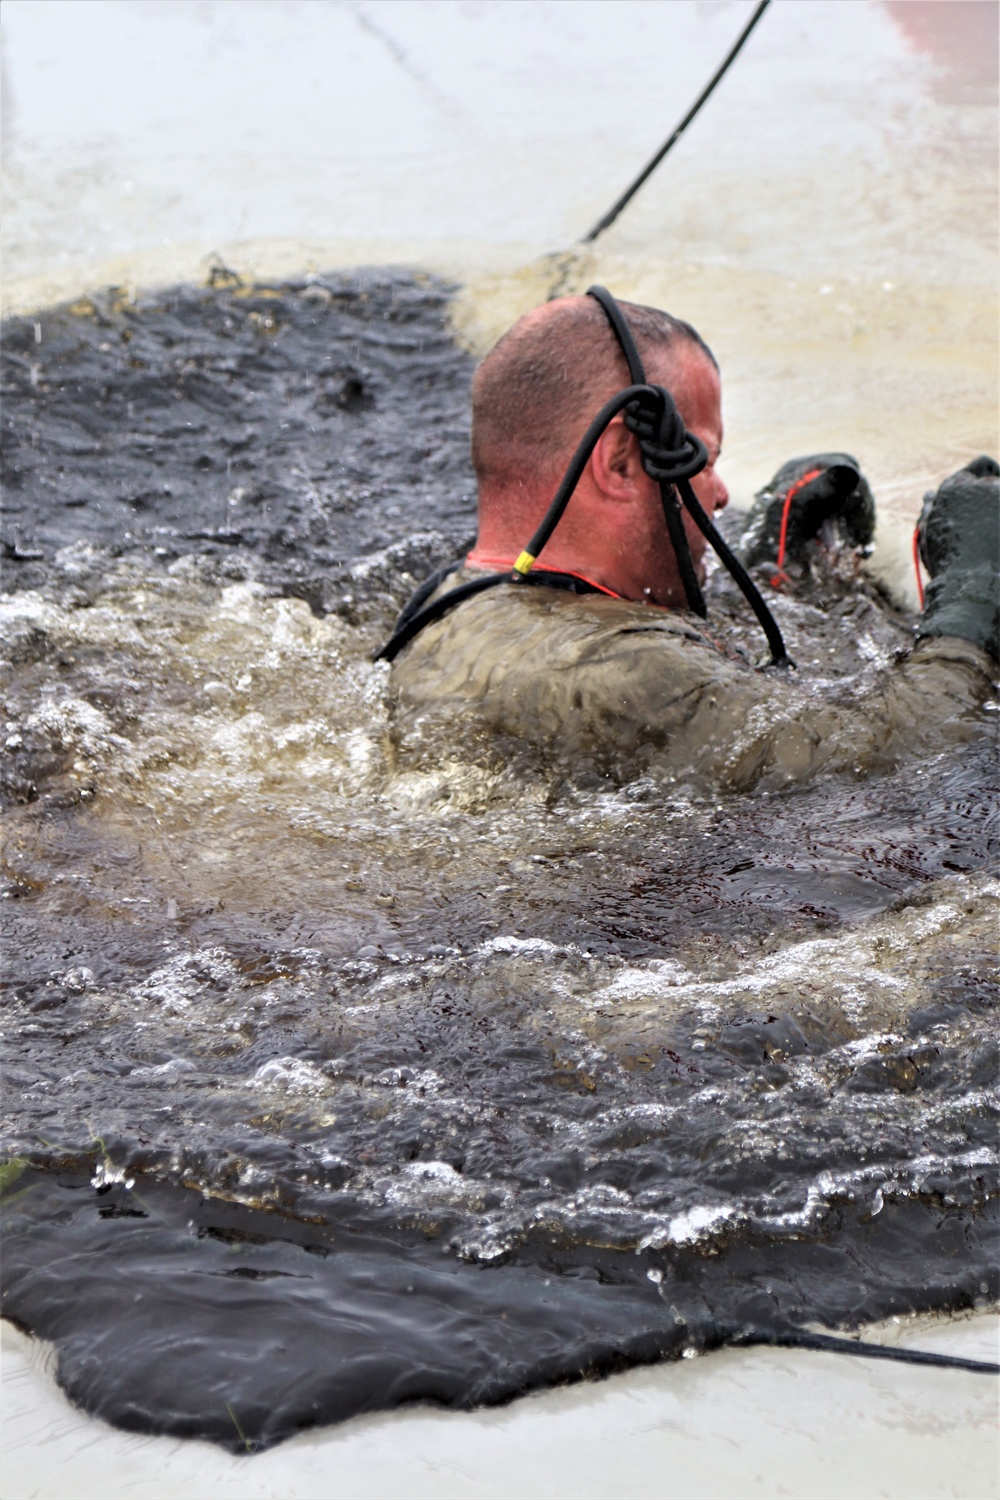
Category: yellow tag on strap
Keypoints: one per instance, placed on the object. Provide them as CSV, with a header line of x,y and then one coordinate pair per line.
x,y
524,563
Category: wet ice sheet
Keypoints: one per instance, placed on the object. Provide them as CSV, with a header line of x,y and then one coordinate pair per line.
x,y
766,1420
829,223
486,124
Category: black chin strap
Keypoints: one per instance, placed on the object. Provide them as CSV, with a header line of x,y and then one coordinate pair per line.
x,y
672,456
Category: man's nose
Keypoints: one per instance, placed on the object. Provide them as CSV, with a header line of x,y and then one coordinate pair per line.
x,y
720,495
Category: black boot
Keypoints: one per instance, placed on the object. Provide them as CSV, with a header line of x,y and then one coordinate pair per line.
x,y
805,494
959,539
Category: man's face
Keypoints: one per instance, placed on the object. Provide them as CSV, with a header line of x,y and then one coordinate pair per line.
x,y
694,382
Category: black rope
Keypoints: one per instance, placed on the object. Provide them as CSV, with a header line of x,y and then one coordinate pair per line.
x,y
651,166
666,446
825,1343
578,463
616,318
421,595
752,594
412,621
670,454
651,400
673,456
682,551
413,618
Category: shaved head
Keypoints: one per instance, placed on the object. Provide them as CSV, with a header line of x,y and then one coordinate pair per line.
x,y
539,387
534,396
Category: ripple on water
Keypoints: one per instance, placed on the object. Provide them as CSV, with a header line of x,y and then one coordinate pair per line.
x,y
317,1045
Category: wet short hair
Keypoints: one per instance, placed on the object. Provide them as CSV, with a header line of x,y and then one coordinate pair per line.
x,y
544,381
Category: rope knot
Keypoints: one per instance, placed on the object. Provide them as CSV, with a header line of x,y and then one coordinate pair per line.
x,y
669,451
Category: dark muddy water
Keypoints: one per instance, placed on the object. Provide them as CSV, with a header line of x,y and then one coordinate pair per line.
x,y
338,1074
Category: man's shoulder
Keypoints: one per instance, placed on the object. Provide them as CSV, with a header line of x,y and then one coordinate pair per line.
x,y
551,667
503,637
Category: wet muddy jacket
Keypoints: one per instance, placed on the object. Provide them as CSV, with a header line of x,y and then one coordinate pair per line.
x,y
632,689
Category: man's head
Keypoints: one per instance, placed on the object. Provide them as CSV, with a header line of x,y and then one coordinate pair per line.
x,y
532,398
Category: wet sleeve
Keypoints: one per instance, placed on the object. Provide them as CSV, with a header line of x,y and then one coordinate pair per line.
x,y
739,727
595,684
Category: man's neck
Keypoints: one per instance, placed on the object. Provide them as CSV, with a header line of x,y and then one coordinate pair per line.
x,y
489,560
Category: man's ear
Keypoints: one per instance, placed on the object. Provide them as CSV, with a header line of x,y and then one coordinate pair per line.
x,y
616,460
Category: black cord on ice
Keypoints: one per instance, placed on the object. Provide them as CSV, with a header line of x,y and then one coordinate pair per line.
x,y
654,162
800,1339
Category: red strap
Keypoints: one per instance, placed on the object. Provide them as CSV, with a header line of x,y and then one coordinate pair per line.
x,y
916,564
500,565
780,576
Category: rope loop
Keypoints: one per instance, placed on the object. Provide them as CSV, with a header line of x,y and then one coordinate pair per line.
x,y
669,452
